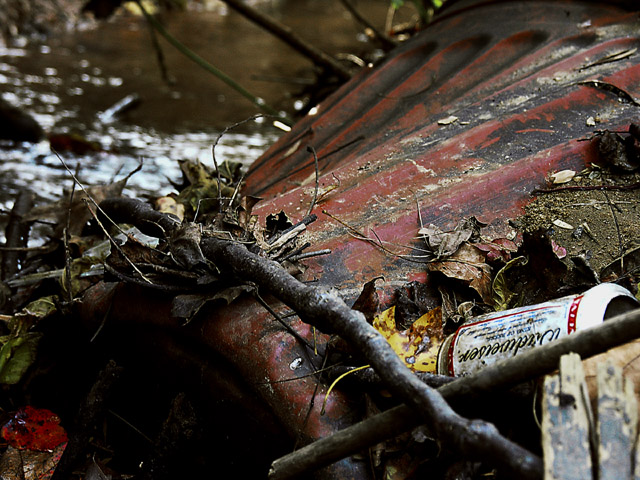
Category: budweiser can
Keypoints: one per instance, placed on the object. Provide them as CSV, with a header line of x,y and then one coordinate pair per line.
x,y
495,336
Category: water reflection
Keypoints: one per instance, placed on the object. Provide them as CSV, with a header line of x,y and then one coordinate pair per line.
x,y
68,81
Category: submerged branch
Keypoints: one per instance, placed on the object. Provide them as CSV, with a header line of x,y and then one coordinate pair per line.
x,y
290,38
187,52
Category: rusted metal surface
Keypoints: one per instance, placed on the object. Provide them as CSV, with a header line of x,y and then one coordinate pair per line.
x,y
509,71
248,360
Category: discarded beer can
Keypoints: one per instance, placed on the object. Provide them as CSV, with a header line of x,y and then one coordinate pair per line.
x,y
495,336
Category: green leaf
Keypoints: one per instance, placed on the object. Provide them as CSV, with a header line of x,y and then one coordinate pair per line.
x,y
502,294
16,356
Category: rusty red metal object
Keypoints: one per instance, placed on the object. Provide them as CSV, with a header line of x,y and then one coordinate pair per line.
x,y
511,73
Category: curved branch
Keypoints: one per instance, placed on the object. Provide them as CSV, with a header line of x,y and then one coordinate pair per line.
x,y
505,374
323,309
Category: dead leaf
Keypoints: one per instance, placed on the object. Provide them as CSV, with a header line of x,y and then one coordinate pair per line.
x,y
613,150
29,464
467,264
418,345
187,306
502,294
498,249
443,243
185,246
171,206
368,302
621,266
204,189
412,301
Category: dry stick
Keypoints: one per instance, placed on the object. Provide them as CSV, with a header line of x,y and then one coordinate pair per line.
x,y
213,153
91,199
65,236
615,222
287,35
324,310
17,235
387,42
586,188
159,55
312,150
508,373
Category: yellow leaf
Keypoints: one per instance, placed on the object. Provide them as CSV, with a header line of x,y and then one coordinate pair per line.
x,y
418,345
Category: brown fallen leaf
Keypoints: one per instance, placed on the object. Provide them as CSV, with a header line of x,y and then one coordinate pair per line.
x,y
467,264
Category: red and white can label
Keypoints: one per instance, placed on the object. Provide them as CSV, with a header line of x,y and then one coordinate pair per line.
x,y
501,335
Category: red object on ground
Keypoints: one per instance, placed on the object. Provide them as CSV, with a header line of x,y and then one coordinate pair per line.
x,y
467,118
34,429
511,72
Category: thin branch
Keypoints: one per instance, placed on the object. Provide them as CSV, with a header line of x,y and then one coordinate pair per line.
x,y
587,188
312,150
615,222
507,373
91,199
279,319
65,237
213,154
324,310
387,42
159,54
260,103
287,35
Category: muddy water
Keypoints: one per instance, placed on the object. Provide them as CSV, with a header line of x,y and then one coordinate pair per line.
x,y
70,78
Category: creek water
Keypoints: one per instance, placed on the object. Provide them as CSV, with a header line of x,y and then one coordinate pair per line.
x,y
69,78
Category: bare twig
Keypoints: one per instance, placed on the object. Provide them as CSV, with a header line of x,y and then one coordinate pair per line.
x,y
65,237
159,54
17,234
279,319
615,222
287,35
387,42
92,200
312,150
326,311
213,152
302,256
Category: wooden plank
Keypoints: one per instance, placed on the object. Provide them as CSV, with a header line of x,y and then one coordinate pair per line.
x,y
617,422
566,422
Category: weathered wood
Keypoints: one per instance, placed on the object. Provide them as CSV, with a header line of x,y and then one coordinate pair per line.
x,y
566,421
617,423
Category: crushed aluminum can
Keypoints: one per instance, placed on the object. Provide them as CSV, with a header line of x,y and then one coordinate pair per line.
x,y
499,335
